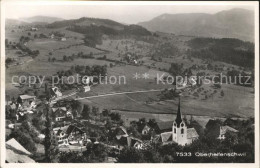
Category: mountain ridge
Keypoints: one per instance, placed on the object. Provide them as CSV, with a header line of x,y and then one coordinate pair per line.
x,y
233,23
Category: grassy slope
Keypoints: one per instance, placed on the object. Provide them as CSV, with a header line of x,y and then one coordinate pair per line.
x,y
237,100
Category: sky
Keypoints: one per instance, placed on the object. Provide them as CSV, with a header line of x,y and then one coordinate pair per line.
x,y
129,13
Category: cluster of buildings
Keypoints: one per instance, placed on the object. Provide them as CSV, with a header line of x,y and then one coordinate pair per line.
x,y
177,131
52,36
69,132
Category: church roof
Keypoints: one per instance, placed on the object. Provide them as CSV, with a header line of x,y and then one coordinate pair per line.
x,y
178,119
192,133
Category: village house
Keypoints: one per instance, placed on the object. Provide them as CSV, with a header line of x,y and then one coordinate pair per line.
x,y
26,100
52,36
63,39
146,129
55,92
179,134
61,113
161,127
69,134
124,139
87,80
217,130
34,29
223,130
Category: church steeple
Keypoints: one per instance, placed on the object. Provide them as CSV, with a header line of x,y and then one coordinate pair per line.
x,y
178,117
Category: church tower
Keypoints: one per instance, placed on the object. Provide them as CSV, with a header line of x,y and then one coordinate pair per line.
x,y
179,128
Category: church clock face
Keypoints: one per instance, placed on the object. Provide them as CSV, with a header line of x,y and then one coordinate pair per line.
x,y
182,125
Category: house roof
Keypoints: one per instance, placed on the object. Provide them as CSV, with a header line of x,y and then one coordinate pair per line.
x,y
12,157
224,129
12,144
146,127
166,136
59,109
192,133
121,132
123,129
24,97
165,125
55,90
67,129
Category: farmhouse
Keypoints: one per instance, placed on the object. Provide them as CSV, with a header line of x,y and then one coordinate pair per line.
x,y
180,133
26,99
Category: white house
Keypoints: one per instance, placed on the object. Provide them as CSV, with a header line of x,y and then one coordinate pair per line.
x,y
34,29
52,36
223,130
146,130
180,133
55,91
86,80
63,39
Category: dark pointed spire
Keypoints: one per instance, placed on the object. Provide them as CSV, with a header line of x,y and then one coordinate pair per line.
x,y
178,117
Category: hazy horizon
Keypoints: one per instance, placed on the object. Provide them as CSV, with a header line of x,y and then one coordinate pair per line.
x,y
129,14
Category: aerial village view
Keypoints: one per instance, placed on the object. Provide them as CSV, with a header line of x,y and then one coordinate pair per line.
x,y
176,87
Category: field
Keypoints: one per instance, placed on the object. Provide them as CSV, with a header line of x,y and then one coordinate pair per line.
x,y
238,101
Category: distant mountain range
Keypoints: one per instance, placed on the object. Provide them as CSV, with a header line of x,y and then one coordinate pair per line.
x,y
32,20
234,23
41,19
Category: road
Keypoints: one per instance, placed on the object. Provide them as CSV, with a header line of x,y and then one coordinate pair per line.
x,y
119,93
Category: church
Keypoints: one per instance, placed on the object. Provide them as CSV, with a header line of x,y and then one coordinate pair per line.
x,y
180,133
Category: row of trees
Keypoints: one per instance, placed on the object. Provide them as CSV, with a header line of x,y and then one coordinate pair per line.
x,y
231,51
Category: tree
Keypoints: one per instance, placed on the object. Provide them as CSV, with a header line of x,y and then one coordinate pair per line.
x,y
36,93
6,43
50,143
222,93
24,138
65,58
131,155
86,112
77,107
95,110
